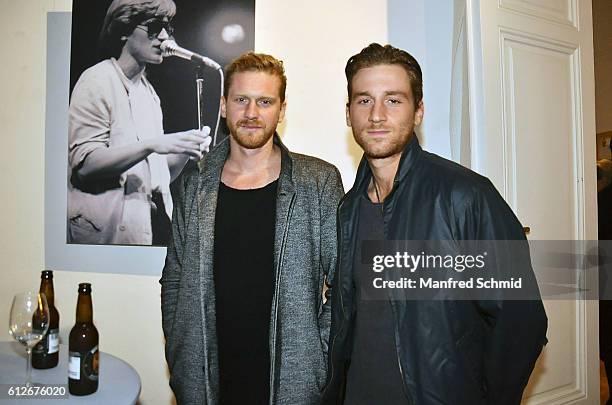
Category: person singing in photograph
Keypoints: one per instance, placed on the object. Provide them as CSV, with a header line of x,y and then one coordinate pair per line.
x,y
121,163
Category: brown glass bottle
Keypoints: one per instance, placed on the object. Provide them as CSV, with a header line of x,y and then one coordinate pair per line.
x,y
83,347
46,353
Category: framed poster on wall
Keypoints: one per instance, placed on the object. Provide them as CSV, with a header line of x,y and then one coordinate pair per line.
x,y
113,107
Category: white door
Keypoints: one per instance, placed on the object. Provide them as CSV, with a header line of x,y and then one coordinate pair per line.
x,y
535,139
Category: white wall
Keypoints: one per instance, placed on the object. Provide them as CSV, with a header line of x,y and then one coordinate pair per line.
x,y
314,40
425,29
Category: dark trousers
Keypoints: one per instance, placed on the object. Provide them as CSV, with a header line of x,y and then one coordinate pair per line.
x,y
160,223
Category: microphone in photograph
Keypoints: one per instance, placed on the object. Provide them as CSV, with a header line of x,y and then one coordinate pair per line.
x,y
171,48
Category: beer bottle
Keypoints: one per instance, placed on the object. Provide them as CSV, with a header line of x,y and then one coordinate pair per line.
x,y
83,347
46,353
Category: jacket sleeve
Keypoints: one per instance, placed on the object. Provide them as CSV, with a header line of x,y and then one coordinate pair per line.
x,y
171,274
514,330
89,116
330,196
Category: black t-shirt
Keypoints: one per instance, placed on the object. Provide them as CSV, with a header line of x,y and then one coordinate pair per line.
x,y
244,286
373,375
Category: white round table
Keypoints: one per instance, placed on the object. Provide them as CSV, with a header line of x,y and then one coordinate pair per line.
x,y
119,382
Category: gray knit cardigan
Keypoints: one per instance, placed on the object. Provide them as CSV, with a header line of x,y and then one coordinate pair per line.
x,y
309,191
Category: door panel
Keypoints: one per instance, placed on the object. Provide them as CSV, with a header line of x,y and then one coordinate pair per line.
x,y
539,130
561,11
537,144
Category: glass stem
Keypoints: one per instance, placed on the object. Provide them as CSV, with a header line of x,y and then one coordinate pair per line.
x,y
29,367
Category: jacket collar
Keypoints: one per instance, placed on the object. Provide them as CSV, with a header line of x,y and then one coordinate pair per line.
x,y
129,85
212,164
409,157
285,179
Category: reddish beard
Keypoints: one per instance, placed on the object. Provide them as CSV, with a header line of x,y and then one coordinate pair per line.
x,y
253,122
253,140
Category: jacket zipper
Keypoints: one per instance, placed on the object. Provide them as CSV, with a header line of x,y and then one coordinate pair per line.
x,y
276,293
395,326
399,364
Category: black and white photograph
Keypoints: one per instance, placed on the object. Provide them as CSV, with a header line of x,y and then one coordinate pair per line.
x,y
145,83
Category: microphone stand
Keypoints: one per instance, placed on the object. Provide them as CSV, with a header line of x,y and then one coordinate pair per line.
x,y
200,95
200,99
170,48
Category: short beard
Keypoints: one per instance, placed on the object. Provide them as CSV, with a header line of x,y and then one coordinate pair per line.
x,y
250,142
378,151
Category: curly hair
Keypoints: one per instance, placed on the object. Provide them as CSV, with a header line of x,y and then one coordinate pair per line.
x,y
123,16
376,54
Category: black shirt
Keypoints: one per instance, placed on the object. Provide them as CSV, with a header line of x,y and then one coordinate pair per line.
x,y
373,375
244,286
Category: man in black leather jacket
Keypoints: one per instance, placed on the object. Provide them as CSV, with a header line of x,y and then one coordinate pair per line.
x,y
420,351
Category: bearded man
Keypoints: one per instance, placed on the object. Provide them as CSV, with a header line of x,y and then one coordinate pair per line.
x,y
253,242
420,351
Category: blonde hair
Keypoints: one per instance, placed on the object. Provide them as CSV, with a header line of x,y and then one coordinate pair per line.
x,y
123,16
256,62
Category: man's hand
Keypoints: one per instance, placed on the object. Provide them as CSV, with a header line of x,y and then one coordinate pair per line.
x,y
192,143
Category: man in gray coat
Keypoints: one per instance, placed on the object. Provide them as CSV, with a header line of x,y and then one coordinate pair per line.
x,y
253,243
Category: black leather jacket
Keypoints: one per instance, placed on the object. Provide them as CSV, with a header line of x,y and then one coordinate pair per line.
x,y
448,352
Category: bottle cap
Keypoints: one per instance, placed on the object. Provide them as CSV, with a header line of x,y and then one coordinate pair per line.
x,y
85,287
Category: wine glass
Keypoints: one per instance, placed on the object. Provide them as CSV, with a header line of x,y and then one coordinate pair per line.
x,y
29,322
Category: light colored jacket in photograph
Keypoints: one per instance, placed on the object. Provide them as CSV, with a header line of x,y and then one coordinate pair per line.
x,y
108,110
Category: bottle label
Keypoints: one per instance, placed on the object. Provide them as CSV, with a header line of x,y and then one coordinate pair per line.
x,y
90,364
74,365
48,345
84,365
53,341
41,347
